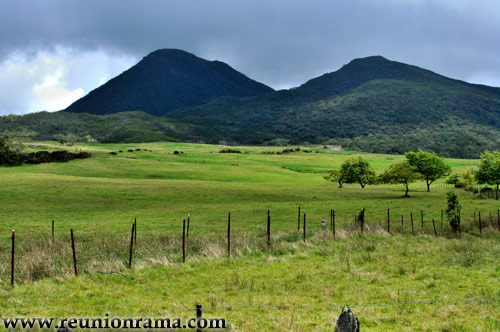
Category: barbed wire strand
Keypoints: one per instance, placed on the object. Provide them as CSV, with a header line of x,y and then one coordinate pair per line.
x,y
333,306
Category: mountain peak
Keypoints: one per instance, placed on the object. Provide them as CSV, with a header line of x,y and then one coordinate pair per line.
x,y
167,79
362,70
371,59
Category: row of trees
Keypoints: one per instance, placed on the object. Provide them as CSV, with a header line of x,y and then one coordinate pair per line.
x,y
420,165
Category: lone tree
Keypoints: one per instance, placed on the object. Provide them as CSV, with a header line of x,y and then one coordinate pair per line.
x,y
335,176
489,169
429,165
357,170
400,173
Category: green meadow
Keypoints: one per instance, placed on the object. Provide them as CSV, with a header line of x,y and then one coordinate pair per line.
x,y
99,198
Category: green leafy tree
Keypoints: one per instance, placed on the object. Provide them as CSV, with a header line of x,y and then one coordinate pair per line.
x,y
489,169
429,165
452,179
335,175
453,211
465,179
400,173
357,170
8,157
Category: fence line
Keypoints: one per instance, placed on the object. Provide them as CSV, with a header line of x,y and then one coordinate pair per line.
x,y
333,306
114,255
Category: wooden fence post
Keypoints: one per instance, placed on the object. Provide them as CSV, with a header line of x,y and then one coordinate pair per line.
x,y
53,232
268,229
135,232
388,222
298,221
411,219
304,227
441,231
434,226
198,317
422,218
229,235
402,224
184,240
74,252
12,261
131,247
480,224
333,223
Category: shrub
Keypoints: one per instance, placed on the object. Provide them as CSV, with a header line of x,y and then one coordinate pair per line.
x,y
227,150
56,156
453,211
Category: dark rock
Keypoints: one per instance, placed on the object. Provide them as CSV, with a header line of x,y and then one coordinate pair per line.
x,y
347,322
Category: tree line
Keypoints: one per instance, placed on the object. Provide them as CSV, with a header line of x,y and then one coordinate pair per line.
x,y
10,157
420,165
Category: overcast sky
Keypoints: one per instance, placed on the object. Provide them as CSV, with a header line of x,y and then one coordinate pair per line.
x,y
54,52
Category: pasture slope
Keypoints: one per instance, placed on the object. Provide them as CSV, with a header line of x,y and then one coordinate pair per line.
x,y
100,197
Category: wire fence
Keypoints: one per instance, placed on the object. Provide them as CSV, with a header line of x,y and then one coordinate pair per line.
x,y
477,301
36,255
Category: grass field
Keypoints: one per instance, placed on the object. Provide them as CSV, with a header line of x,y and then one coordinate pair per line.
x,y
100,197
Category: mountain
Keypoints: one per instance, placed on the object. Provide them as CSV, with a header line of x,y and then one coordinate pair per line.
x,y
371,104
164,80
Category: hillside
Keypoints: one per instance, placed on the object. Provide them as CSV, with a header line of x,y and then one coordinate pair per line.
x,y
371,104
164,80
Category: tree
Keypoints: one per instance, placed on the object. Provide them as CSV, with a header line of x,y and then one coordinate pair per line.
x,y
465,179
357,170
8,156
489,169
335,176
429,165
400,173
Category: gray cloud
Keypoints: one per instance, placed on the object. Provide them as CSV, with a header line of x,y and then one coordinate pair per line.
x,y
280,43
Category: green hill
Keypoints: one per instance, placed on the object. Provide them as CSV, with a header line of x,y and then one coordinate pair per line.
x,y
371,104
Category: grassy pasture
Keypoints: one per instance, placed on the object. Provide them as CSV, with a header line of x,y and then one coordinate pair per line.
x,y
100,197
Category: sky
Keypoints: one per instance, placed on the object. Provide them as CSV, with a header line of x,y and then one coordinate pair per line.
x,y
54,52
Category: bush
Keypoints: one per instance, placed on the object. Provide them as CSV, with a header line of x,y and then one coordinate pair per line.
x,y
453,211
227,150
49,157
